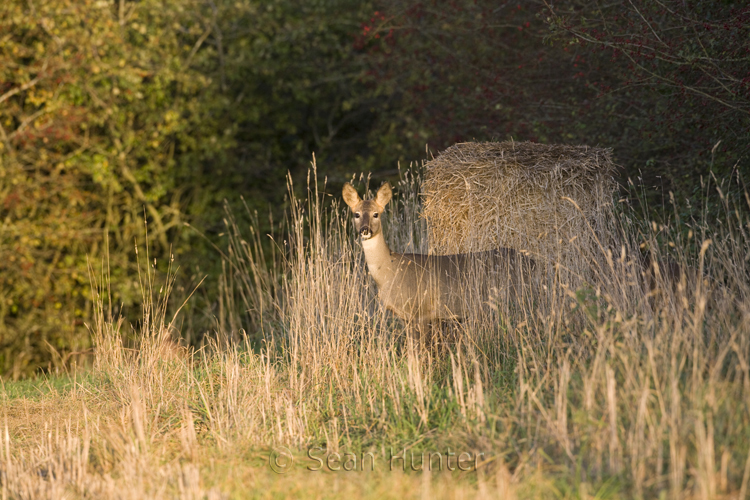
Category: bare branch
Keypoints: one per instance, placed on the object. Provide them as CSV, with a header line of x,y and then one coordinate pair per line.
x,y
28,121
26,85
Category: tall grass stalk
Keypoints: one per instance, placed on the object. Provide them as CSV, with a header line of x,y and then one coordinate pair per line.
x,y
633,383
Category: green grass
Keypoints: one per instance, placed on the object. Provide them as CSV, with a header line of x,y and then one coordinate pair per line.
x,y
42,387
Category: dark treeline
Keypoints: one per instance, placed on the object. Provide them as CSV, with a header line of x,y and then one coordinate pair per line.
x,y
113,112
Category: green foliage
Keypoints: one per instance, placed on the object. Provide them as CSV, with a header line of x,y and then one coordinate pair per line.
x,y
97,101
121,116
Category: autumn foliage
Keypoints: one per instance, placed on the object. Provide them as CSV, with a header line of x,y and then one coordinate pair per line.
x,y
120,118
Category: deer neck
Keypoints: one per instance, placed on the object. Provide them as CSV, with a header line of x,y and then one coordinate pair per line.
x,y
378,258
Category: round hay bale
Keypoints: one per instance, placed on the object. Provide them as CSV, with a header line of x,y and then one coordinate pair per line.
x,y
484,195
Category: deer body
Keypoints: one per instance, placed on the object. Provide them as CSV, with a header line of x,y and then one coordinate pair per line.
x,y
422,288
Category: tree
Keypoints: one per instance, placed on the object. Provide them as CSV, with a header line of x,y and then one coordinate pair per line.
x,y
98,99
676,73
661,83
118,113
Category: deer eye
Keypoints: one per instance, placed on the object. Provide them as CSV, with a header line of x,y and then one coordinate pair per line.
x,y
356,215
375,215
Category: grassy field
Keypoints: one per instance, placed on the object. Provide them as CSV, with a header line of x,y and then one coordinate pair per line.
x,y
595,384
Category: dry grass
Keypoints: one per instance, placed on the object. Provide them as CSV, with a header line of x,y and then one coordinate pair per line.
x,y
604,391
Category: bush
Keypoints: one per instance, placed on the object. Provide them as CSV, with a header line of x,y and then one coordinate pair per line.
x,y
98,104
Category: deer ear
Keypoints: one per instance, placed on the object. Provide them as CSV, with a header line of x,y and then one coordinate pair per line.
x,y
350,195
384,195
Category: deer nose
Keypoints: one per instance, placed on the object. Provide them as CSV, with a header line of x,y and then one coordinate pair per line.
x,y
364,231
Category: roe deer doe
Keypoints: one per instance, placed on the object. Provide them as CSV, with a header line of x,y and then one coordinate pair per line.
x,y
422,288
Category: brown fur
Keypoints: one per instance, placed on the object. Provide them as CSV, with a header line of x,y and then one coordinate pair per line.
x,y
422,288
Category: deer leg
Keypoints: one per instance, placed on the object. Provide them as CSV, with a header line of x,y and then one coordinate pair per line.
x,y
425,335
413,331
420,332
432,337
